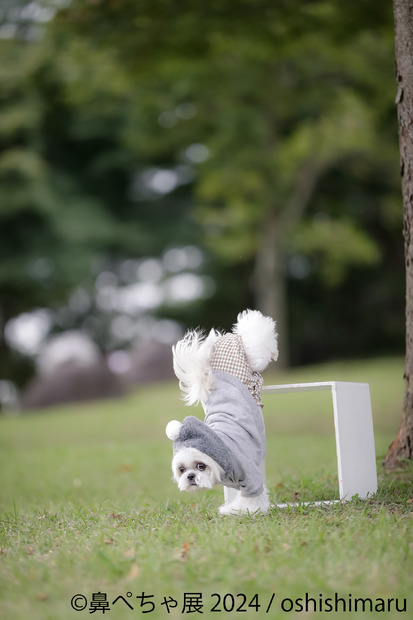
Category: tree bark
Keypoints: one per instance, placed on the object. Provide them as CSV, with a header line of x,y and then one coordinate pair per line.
x,y
269,284
402,446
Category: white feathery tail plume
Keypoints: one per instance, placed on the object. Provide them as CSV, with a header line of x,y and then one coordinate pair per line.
x,y
191,361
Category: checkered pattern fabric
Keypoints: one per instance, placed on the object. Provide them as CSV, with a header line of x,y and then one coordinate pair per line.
x,y
229,355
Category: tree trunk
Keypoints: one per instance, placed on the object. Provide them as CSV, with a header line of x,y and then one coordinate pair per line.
x,y
269,283
270,280
402,446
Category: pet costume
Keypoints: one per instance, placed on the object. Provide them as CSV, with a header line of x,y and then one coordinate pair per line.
x,y
234,425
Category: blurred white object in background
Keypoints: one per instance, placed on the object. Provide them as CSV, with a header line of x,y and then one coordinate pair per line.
x,y
71,346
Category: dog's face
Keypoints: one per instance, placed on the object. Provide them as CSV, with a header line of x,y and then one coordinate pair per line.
x,y
193,470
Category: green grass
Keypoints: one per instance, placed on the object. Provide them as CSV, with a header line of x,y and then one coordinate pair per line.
x,y
87,506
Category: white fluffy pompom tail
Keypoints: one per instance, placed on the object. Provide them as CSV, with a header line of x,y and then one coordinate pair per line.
x,y
172,429
259,337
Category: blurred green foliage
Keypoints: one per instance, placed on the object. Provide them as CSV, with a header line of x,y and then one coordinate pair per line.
x,y
291,186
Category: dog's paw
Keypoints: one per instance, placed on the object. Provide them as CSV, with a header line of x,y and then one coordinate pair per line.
x,y
230,509
247,505
172,429
225,509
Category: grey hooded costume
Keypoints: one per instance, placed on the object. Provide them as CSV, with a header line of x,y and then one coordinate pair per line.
x,y
233,434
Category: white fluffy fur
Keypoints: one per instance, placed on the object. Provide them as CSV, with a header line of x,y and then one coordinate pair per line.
x,y
192,354
259,338
191,357
247,505
191,479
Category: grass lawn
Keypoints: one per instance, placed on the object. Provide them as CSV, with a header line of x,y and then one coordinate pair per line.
x,y
88,510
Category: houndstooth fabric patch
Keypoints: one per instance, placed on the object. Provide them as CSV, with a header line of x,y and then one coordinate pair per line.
x,y
229,355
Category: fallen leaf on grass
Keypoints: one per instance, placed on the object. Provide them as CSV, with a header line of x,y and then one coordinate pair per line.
x,y
134,572
268,545
183,552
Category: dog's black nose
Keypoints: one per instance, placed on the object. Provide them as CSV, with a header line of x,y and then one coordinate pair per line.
x,y
191,477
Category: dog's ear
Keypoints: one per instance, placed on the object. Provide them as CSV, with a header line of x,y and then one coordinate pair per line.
x,y
172,429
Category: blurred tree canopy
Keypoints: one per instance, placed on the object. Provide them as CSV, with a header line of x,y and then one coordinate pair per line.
x,y
287,97
277,124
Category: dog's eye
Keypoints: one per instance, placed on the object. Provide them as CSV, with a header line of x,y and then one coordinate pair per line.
x,y
201,466
181,469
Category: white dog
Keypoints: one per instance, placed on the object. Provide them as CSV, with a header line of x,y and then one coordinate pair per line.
x,y
222,371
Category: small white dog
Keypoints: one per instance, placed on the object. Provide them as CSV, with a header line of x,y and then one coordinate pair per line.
x,y
222,371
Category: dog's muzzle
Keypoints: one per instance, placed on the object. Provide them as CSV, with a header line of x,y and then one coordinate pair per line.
x,y
191,477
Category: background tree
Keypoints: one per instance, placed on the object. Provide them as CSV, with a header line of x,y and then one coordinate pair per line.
x,y
48,226
402,446
261,133
69,180
283,96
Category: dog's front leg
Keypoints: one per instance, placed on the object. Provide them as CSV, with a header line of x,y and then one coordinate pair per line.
x,y
239,504
232,498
